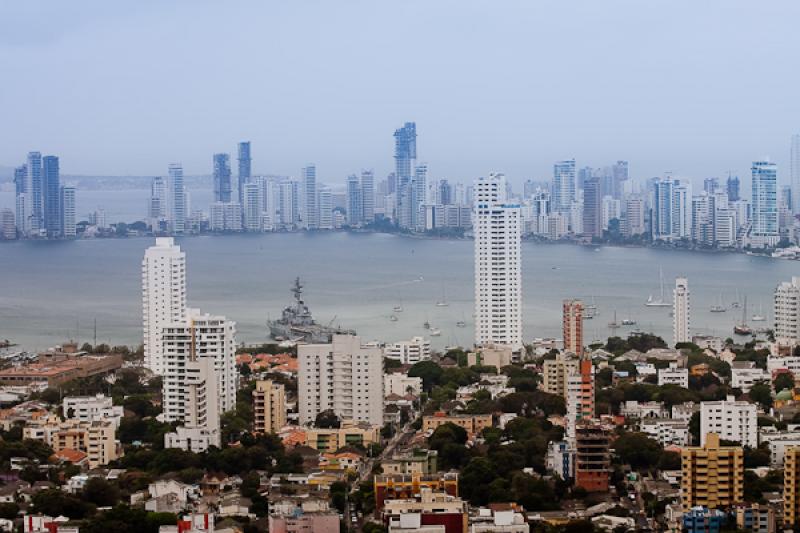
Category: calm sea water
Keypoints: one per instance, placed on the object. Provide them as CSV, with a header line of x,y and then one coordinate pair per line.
x,y
51,291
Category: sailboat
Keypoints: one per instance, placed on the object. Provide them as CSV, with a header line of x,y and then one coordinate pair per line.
x,y
614,324
760,316
658,302
718,308
398,308
443,301
590,310
742,328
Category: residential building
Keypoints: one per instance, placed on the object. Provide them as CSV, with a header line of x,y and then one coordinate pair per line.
x,y
756,518
498,276
188,345
712,475
745,374
325,208
310,196
572,326
368,196
561,460
703,520
731,420
8,226
401,384
163,297
92,408
473,424
34,193
344,376
791,487
673,375
787,312
564,191
354,201
269,407
409,352
67,206
406,486
681,312
592,209
178,208
349,434
556,371
225,217
643,410
580,397
304,522
634,216
764,231
51,196
666,431
496,355
96,439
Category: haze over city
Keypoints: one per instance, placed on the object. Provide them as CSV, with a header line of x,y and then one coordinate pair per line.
x,y
697,88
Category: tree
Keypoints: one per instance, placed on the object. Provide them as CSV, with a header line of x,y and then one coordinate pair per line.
x,y
327,420
638,450
430,372
762,394
100,492
694,428
783,381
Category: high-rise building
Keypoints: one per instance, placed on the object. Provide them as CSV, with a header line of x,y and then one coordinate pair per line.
x,y
572,326
325,208
67,215
355,204
198,337
619,176
564,186
345,376
310,207
20,184
269,407
556,373
791,487
225,216
34,192
592,209
787,312
222,178
794,172
157,207
51,196
195,385
8,228
408,352
731,420
580,397
244,168
177,190
163,297
498,264
634,216
712,475
252,208
405,152
732,188
592,457
681,312
368,196
672,209
764,200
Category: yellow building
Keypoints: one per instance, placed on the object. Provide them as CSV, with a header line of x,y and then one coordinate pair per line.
x,y
474,424
269,407
556,372
791,487
712,476
330,440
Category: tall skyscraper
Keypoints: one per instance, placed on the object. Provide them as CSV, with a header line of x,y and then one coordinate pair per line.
x,y
195,387
178,198
572,326
592,209
67,216
252,208
196,337
732,187
345,376
619,176
764,230
794,171
672,209
405,155
787,312
354,201
325,208
564,187
20,184
33,190
498,265
222,178
311,209
368,196
580,397
244,168
157,207
681,312
163,297
51,196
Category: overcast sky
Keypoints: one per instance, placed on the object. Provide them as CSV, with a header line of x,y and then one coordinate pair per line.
x,y
696,87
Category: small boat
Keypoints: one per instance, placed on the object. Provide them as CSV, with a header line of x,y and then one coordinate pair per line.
x,y
426,325
717,309
628,322
742,328
393,318
397,309
442,303
434,332
614,324
759,317
660,301
461,324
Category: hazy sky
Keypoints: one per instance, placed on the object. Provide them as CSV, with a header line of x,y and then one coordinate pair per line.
x,y
697,87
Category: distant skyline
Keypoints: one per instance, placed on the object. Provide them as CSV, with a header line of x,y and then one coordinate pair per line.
x,y
696,88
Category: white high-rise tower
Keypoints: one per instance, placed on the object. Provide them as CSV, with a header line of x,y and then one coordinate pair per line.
x,y
163,297
681,311
794,171
498,272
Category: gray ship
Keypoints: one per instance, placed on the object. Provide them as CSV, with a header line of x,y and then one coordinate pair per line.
x,y
297,325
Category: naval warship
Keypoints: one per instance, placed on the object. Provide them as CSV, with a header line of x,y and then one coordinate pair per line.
x,y
297,325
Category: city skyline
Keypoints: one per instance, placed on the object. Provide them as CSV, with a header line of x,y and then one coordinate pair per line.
x,y
688,105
